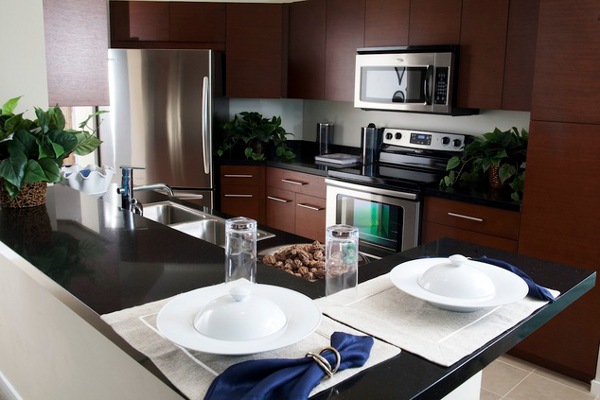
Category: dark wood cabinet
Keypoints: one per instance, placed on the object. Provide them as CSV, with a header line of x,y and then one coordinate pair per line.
x,y
483,47
256,60
474,223
162,24
566,84
76,46
345,33
386,22
519,62
242,191
306,52
560,222
296,203
434,22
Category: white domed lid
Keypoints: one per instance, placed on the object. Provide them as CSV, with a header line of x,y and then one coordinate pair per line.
x,y
457,278
240,315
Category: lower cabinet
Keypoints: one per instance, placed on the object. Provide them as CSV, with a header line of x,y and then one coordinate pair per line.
x,y
486,226
295,203
242,189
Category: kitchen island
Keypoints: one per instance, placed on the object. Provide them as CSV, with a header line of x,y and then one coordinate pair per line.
x,y
97,259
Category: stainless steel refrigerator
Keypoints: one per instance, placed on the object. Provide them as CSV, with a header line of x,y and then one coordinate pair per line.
x,y
164,107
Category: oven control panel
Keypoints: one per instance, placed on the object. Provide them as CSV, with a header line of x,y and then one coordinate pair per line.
x,y
437,141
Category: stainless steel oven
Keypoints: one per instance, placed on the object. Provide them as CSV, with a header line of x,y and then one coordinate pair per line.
x,y
388,220
384,199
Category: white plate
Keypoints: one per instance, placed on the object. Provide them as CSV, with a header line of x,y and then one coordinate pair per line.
x,y
510,288
175,320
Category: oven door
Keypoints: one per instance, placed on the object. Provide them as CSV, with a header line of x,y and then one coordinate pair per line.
x,y
388,220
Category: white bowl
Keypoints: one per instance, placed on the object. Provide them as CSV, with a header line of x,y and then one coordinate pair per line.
x,y
458,279
91,180
240,316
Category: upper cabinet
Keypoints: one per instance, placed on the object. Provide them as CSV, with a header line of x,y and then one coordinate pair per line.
x,y
386,22
256,66
482,51
434,22
566,84
306,51
152,24
345,33
76,52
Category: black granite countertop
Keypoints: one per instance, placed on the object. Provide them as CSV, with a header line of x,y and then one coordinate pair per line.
x,y
305,162
110,259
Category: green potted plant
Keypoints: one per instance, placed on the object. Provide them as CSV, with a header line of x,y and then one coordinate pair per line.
x,y
32,152
498,158
255,132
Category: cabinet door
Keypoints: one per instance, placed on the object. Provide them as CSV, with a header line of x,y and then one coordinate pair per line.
x,y
434,22
310,217
306,57
255,37
138,21
520,54
197,22
345,33
386,22
280,209
483,46
566,84
560,222
242,191
76,47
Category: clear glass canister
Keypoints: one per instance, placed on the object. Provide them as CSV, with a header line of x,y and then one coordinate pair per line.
x,y
341,260
240,249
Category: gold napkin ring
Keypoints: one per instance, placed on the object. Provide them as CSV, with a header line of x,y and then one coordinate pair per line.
x,y
323,363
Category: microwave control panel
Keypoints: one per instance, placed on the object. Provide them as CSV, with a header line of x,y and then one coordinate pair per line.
x,y
441,86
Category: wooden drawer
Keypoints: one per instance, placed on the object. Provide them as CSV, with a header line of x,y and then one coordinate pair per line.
x,y
310,217
472,217
242,175
280,209
298,182
433,231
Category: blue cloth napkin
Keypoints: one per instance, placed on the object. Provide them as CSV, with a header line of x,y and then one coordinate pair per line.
x,y
535,290
287,378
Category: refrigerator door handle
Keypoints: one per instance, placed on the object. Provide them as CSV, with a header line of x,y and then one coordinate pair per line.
x,y
205,133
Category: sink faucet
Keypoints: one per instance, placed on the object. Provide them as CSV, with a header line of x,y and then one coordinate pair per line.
x,y
128,202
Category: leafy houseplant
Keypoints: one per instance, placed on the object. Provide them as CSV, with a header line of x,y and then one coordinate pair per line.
x,y
501,152
32,151
254,132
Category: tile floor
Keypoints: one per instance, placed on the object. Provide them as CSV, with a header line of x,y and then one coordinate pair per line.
x,y
509,378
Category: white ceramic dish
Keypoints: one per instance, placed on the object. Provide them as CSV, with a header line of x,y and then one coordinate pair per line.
x,y
92,179
510,288
175,321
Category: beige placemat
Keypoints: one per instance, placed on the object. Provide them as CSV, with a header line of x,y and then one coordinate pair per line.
x,y
192,372
444,337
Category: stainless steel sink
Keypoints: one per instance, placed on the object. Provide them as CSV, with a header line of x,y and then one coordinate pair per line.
x,y
193,222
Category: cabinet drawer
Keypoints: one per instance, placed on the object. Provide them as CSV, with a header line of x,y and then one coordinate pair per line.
x,y
298,182
242,175
472,217
280,209
310,217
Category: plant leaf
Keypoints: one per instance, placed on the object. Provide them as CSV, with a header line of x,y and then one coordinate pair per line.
x,y
34,173
10,105
12,169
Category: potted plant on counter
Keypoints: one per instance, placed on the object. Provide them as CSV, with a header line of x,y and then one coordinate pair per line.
x,y
255,132
496,158
32,152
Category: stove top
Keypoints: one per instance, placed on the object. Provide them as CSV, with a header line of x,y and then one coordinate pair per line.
x,y
407,160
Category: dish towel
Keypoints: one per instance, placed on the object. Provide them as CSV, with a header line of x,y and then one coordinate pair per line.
x,y
290,378
535,290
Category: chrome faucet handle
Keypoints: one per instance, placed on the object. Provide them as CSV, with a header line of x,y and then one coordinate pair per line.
x,y
126,189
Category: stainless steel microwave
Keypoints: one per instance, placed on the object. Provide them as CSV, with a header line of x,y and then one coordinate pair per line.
x,y
411,78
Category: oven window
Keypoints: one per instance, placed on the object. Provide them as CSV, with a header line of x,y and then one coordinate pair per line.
x,y
378,224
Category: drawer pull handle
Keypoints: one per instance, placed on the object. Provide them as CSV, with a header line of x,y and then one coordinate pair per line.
x,y
476,219
292,182
278,199
314,208
239,195
237,176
